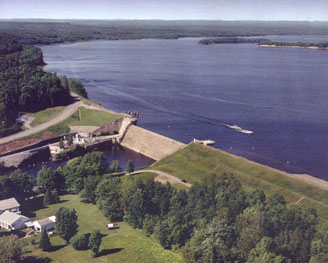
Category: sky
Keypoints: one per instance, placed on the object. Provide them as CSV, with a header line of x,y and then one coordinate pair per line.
x,y
310,10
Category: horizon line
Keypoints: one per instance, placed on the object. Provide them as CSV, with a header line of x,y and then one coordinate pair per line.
x,y
161,19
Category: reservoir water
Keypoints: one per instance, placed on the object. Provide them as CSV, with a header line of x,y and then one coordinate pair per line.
x,y
184,91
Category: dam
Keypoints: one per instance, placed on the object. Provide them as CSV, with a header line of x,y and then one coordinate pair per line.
x,y
122,132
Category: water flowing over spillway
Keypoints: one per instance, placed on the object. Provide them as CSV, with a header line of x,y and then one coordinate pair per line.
x,y
184,91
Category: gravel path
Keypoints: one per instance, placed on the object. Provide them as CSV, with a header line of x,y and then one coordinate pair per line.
x,y
163,177
67,112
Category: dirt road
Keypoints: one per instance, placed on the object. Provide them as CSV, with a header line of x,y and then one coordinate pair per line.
x,y
67,112
164,177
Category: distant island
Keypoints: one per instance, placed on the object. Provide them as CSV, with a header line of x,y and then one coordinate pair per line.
x,y
262,42
231,40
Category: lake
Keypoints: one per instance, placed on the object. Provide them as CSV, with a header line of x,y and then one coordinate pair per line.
x,y
184,91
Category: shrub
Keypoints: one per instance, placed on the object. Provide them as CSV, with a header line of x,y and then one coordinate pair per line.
x,y
80,242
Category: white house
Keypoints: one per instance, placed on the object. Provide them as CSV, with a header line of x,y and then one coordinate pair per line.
x,y
12,221
10,205
45,224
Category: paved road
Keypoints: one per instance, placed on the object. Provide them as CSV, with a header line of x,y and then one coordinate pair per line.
x,y
164,177
67,112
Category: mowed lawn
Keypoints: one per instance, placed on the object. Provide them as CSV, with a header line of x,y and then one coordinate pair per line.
x,y
46,115
196,161
123,245
90,117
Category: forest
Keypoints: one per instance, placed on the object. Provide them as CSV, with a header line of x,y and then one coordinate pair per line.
x,y
25,87
260,41
61,31
214,221
231,40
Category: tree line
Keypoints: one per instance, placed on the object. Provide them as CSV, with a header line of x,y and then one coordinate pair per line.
x,y
61,31
25,87
260,41
215,221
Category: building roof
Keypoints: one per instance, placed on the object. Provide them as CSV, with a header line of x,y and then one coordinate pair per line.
x,y
46,221
8,203
10,217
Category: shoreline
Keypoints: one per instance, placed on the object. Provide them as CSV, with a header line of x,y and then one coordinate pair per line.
x,y
307,178
309,47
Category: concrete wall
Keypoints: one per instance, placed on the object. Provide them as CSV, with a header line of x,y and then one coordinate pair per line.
x,y
150,144
23,158
109,127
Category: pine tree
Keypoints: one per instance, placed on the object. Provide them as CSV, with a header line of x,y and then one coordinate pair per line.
x,y
130,167
44,243
66,223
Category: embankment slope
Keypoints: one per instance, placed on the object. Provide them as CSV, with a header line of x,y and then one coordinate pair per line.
x,y
150,144
195,162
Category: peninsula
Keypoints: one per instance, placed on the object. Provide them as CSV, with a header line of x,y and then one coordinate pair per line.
x,y
263,42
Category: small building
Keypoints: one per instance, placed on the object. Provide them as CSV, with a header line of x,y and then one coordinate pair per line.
x,y
10,205
45,224
112,226
12,221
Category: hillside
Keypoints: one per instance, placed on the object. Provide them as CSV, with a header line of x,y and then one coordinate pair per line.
x,y
196,162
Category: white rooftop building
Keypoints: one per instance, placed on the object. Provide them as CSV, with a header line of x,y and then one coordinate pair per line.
x,y
45,224
12,221
10,205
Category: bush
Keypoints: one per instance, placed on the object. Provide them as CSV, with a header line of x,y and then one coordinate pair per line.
x,y
80,242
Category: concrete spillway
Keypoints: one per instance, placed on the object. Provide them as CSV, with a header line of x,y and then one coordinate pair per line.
x,y
150,144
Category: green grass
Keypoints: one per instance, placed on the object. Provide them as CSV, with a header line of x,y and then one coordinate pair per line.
x,y
122,245
195,162
46,115
90,118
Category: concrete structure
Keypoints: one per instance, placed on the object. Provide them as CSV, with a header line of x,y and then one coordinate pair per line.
x,y
150,144
12,221
10,205
18,159
45,224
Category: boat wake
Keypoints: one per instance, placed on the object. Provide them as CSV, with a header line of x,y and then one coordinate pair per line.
x,y
239,129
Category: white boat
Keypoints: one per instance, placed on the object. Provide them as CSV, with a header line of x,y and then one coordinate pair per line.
x,y
205,142
239,129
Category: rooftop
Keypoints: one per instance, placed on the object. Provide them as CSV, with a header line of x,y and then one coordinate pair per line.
x,y
8,203
46,221
10,217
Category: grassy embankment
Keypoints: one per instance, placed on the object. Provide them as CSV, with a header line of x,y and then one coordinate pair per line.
x,y
88,118
46,115
123,245
196,162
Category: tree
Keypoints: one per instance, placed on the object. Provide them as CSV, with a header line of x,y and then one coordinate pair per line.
x,y
10,249
109,198
61,144
77,169
44,243
69,140
115,167
49,179
66,223
80,242
51,197
95,242
22,185
88,194
130,167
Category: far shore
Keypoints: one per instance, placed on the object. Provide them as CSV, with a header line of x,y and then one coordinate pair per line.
x,y
310,47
